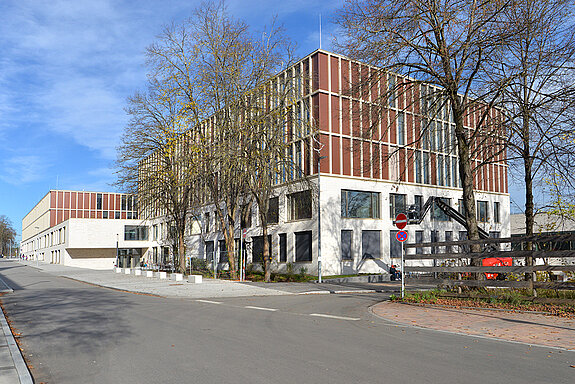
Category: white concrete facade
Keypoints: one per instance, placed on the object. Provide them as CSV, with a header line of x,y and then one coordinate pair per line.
x,y
332,225
84,243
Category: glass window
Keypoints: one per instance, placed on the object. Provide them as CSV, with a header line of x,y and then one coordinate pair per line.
x,y
482,211
283,248
396,204
346,236
135,232
300,205
258,248
425,168
130,203
359,204
394,245
437,213
448,237
303,246
223,251
401,129
273,210
434,239
99,201
461,207
391,90
207,222
209,250
105,214
454,173
496,217
123,202
418,202
371,244
417,161
440,168
419,240
117,215
129,215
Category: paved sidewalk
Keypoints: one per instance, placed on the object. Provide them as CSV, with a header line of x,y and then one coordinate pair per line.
x,y
13,369
528,328
209,288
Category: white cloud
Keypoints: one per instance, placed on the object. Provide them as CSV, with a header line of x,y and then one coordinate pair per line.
x,y
23,169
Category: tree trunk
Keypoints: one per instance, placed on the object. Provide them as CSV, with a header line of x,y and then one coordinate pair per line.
x,y
181,253
231,246
529,205
466,175
267,258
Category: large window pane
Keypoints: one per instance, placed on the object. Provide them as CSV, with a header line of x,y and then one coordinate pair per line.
x,y
303,246
300,205
346,244
273,210
360,204
283,248
397,204
371,244
394,245
437,213
482,211
134,232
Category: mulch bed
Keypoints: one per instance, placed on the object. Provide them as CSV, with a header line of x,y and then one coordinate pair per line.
x,y
565,311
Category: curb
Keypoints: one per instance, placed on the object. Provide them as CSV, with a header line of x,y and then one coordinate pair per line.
x,y
6,289
23,373
328,292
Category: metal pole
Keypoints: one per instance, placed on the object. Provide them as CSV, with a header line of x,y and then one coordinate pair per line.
x,y
402,274
319,218
117,250
241,261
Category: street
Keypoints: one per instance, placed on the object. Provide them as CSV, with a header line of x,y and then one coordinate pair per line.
x,y
74,332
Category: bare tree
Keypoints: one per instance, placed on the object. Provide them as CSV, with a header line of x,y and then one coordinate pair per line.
x,y
203,73
446,43
7,235
278,119
157,161
539,101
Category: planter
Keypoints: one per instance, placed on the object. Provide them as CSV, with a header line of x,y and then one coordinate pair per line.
x,y
138,272
118,270
177,276
149,273
127,271
195,279
162,275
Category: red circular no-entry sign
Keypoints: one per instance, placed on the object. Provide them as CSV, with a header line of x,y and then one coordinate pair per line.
x,y
401,220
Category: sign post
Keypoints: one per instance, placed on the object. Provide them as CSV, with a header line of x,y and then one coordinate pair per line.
x,y
402,237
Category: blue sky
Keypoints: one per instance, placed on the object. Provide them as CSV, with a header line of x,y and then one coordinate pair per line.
x,y
66,69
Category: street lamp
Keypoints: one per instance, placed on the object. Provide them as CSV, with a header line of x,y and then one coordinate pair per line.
x,y
319,218
117,251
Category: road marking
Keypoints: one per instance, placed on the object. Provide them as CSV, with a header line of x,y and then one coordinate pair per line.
x,y
261,309
335,317
209,301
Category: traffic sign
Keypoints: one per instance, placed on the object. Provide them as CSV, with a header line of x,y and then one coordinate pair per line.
x,y
244,232
401,236
401,221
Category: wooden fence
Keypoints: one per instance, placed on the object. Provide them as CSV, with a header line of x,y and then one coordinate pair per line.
x,y
449,263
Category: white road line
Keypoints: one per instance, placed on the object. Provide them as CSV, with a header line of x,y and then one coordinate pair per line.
x,y
335,317
209,301
261,309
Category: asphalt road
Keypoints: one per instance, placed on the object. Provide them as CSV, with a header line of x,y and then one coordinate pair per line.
x,y
74,333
